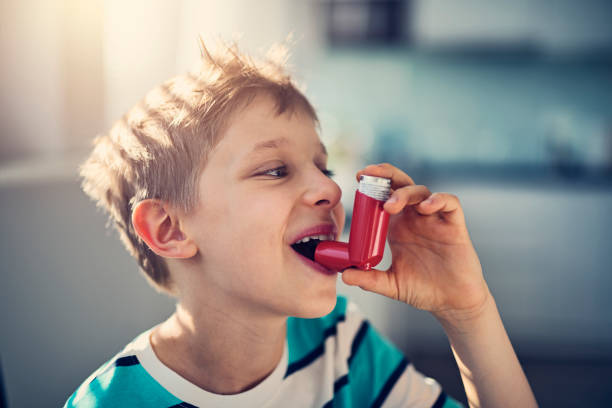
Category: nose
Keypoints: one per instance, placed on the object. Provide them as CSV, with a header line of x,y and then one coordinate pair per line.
x,y
322,191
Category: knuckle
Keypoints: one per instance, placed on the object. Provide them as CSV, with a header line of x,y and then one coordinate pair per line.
x,y
402,192
451,197
421,190
386,167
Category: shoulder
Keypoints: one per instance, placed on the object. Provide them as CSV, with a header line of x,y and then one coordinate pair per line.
x,y
122,381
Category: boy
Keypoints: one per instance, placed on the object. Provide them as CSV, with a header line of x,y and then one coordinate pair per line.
x,y
210,180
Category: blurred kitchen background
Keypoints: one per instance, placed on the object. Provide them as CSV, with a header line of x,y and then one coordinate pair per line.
x,y
507,104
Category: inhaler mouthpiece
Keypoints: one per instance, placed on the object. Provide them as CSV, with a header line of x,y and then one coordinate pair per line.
x,y
368,229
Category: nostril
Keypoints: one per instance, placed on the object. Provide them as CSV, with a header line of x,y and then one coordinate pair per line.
x,y
322,202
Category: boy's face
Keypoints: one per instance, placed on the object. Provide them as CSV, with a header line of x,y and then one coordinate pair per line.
x,y
262,186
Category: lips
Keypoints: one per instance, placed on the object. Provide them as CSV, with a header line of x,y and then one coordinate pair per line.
x,y
329,230
322,229
315,265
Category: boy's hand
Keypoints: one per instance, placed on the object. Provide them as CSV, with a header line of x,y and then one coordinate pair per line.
x,y
435,266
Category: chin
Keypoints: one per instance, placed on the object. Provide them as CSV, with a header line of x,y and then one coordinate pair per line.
x,y
316,306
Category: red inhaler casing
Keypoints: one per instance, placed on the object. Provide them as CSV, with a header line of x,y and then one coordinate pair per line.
x,y
369,226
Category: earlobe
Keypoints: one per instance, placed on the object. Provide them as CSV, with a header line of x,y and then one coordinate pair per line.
x,y
159,228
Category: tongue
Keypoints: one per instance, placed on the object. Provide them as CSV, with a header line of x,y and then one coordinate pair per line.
x,y
307,248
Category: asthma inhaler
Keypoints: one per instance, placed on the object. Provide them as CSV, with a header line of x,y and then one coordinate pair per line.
x,y
368,230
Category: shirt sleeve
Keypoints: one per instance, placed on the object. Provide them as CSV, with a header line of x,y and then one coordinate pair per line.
x,y
379,375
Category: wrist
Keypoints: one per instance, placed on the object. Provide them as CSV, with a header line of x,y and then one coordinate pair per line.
x,y
468,320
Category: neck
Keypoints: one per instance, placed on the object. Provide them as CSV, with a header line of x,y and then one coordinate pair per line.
x,y
221,352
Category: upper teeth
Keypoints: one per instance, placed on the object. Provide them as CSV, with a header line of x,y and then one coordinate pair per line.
x,y
329,237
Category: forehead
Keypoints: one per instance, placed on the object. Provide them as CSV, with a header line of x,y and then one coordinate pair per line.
x,y
278,143
258,128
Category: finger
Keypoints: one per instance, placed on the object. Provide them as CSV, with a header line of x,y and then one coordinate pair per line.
x,y
446,204
408,195
374,280
398,178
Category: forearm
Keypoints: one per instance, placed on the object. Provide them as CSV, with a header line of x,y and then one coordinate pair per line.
x,y
491,373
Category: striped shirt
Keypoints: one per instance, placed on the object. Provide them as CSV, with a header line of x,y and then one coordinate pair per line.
x,y
338,360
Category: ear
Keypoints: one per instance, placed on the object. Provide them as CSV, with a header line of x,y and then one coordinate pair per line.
x,y
158,226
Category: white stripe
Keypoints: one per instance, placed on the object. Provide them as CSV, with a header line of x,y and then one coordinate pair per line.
x,y
346,334
413,389
313,385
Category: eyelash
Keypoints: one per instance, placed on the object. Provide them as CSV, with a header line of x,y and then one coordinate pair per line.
x,y
327,172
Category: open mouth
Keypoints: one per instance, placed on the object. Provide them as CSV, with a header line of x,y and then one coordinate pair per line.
x,y
306,249
307,245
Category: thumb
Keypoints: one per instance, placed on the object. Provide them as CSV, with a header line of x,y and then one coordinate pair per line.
x,y
374,280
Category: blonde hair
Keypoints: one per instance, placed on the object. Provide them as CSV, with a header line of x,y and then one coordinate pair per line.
x,y
159,147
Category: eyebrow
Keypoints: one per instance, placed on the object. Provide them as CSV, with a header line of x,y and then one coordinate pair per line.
x,y
276,143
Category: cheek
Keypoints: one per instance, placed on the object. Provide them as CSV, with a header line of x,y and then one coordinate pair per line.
x,y
214,221
245,230
249,225
254,254
260,225
211,227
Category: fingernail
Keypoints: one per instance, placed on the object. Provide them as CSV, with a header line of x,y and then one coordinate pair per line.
x,y
429,200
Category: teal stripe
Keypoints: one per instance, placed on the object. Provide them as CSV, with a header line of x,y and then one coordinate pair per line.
x,y
371,365
390,384
451,403
305,335
343,397
122,386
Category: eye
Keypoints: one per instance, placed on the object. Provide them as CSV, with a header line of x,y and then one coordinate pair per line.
x,y
329,173
278,172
